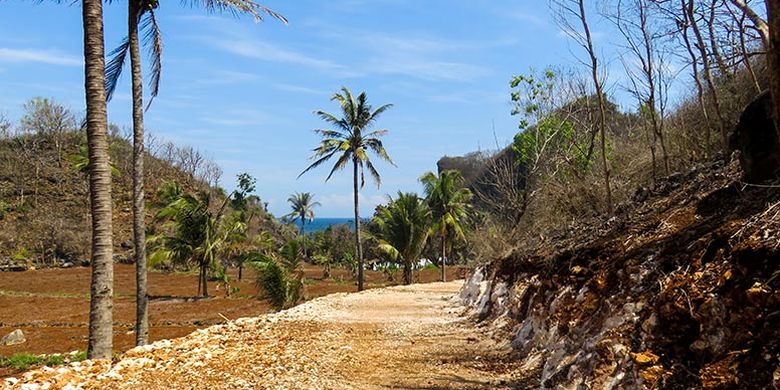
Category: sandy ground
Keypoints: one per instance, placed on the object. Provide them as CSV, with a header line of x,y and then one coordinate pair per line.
x,y
51,306
398,337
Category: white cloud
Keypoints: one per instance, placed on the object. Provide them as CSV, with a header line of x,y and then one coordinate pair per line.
x,y
268,52
299,88
52,57
427,69
237,117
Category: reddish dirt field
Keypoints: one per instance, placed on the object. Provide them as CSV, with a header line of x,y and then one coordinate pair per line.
x,y
51,306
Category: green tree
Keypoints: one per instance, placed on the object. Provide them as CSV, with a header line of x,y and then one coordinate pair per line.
x,y
332,247
402,229
141,16
302,205
279,274
349,141
448,202
195,233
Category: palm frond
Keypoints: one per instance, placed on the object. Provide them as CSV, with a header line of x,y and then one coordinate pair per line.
x,y
319,162
152,39
340,164
115,66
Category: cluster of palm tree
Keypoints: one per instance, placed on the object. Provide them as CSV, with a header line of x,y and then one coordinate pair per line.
x,y
100,81
404,225
194,232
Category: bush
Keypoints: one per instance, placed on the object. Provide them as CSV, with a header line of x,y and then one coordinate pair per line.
x,y
24,361
284,288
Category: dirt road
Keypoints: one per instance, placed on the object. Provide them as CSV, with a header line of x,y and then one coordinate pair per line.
x,y
399,337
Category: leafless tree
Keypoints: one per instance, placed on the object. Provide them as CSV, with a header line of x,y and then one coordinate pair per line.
x,y
50,121
649,79
692,20
569,12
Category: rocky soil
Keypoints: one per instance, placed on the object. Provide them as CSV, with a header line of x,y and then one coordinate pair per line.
x,y
680,289
401,337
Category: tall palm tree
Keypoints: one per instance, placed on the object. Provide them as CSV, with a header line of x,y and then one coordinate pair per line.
x,y
448,202
402,228
102,284
141,14
350,139
303,209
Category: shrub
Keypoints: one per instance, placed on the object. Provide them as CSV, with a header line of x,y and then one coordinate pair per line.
x,y
282,287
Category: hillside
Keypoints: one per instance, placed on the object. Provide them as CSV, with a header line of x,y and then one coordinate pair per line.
x,y
44,206
679,289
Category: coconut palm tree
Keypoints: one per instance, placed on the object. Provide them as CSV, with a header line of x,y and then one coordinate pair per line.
x,y
102,285
141,13
402,228
303,209
448,202
350,140
195,233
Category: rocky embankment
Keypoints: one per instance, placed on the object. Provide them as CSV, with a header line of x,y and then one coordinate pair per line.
x,y
680,289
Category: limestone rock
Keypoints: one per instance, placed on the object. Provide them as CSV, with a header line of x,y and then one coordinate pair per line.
x,y
13,338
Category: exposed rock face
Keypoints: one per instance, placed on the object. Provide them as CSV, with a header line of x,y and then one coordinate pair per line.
x,y
681,290
13,338
755,137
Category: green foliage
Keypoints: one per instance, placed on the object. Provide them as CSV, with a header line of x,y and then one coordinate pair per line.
x,y
448,202
389,269
193,231
402,229
302,205
291,254
245,187
280,284
25,361
350,140
334,243
5,208
548,138
80,162
22,254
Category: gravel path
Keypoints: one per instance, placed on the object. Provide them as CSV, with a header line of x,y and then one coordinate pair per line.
x,y
399,337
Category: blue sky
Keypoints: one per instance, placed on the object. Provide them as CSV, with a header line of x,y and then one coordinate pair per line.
x,y
244,92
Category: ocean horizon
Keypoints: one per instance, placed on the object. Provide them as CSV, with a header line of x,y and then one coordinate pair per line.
x,y
319,224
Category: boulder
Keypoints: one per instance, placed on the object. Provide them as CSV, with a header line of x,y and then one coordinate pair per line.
x,y
13,338
755,137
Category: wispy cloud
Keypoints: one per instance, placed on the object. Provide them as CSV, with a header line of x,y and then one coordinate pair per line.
x,y
228,77
238,117
53,57
427,69
418,56
269,52
299,89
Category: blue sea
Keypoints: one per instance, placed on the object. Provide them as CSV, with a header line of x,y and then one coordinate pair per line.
x,y
323,223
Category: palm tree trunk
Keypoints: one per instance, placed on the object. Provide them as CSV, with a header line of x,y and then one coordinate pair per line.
x,y
358,245
443,255
102,285
139,227
303,238
204,278
200,279
407,272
